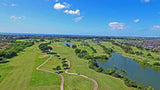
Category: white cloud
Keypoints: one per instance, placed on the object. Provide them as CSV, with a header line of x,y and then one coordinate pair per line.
x,y
146,1
4,4
136,20
78,19
72,12
14,18
61,6
117,26
156,27
56,0
13,5
7,4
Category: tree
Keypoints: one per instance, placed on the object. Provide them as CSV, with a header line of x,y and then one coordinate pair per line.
x,y
57,68
100,69
156,64
149,54
77,51
41,40
114,68
74,46
67,45
65,65
109,71
123,73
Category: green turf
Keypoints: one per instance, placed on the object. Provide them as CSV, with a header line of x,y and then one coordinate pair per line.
x,y
78,65
73,82
21,74
52,64
19,77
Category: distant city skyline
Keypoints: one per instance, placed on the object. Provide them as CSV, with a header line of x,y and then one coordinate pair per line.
x,y
139,18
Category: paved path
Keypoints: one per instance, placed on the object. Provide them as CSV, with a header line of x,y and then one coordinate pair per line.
x,y
66,71
95,83
38,68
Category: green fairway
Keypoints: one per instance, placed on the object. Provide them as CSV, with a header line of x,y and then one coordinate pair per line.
x,y
72,82
21,73
19,76
81,66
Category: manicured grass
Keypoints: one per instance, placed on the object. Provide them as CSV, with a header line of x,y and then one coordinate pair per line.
x,y
53,63
4,70
98,48
78,65
73,82
41,78
19,77
21,74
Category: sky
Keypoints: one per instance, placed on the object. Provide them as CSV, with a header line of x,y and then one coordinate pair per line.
x,y
81,17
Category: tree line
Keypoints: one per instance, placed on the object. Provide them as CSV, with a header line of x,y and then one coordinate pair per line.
x,y
14,48
118,74
44,47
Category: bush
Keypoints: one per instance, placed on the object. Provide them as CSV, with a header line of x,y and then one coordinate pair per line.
x,y
77,51
156,64
57,68
74,46
100,69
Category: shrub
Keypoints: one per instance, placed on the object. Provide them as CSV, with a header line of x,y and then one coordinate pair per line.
x,y
156,64
57,68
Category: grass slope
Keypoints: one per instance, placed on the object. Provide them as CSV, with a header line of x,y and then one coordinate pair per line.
x,y
19,77
21,74
78,65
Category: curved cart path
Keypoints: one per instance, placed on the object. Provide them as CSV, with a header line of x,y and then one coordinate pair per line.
x,y
95,83
66,71
62,82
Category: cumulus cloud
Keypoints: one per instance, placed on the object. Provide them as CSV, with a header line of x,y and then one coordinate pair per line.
x,y
7,4
136,20
78,19
116,26
72,12
13,5
15,18
146,1
156,27
61,6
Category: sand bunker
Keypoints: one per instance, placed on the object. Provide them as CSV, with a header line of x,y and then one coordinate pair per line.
x,y
43,56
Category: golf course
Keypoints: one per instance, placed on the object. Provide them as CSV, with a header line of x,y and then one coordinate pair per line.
x,y
21,72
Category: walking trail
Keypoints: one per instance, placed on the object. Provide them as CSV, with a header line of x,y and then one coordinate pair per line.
x,y
38,68
66,71
95,83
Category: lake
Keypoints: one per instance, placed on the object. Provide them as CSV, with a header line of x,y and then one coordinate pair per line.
x,y
69,43
126,41
147,76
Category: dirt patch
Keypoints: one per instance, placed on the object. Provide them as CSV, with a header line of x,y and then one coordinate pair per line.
x,y
72,49
43,56
58,46
4,45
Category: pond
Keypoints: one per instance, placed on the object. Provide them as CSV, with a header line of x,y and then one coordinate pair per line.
x,y
69,43
126,41
146,76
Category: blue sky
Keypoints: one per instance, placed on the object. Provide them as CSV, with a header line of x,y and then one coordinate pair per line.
x,y
81,17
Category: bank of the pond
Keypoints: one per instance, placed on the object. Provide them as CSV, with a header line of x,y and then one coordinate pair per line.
x,y
146,76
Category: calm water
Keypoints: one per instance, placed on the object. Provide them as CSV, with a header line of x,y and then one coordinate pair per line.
x,y
147,76
69,43
126,41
